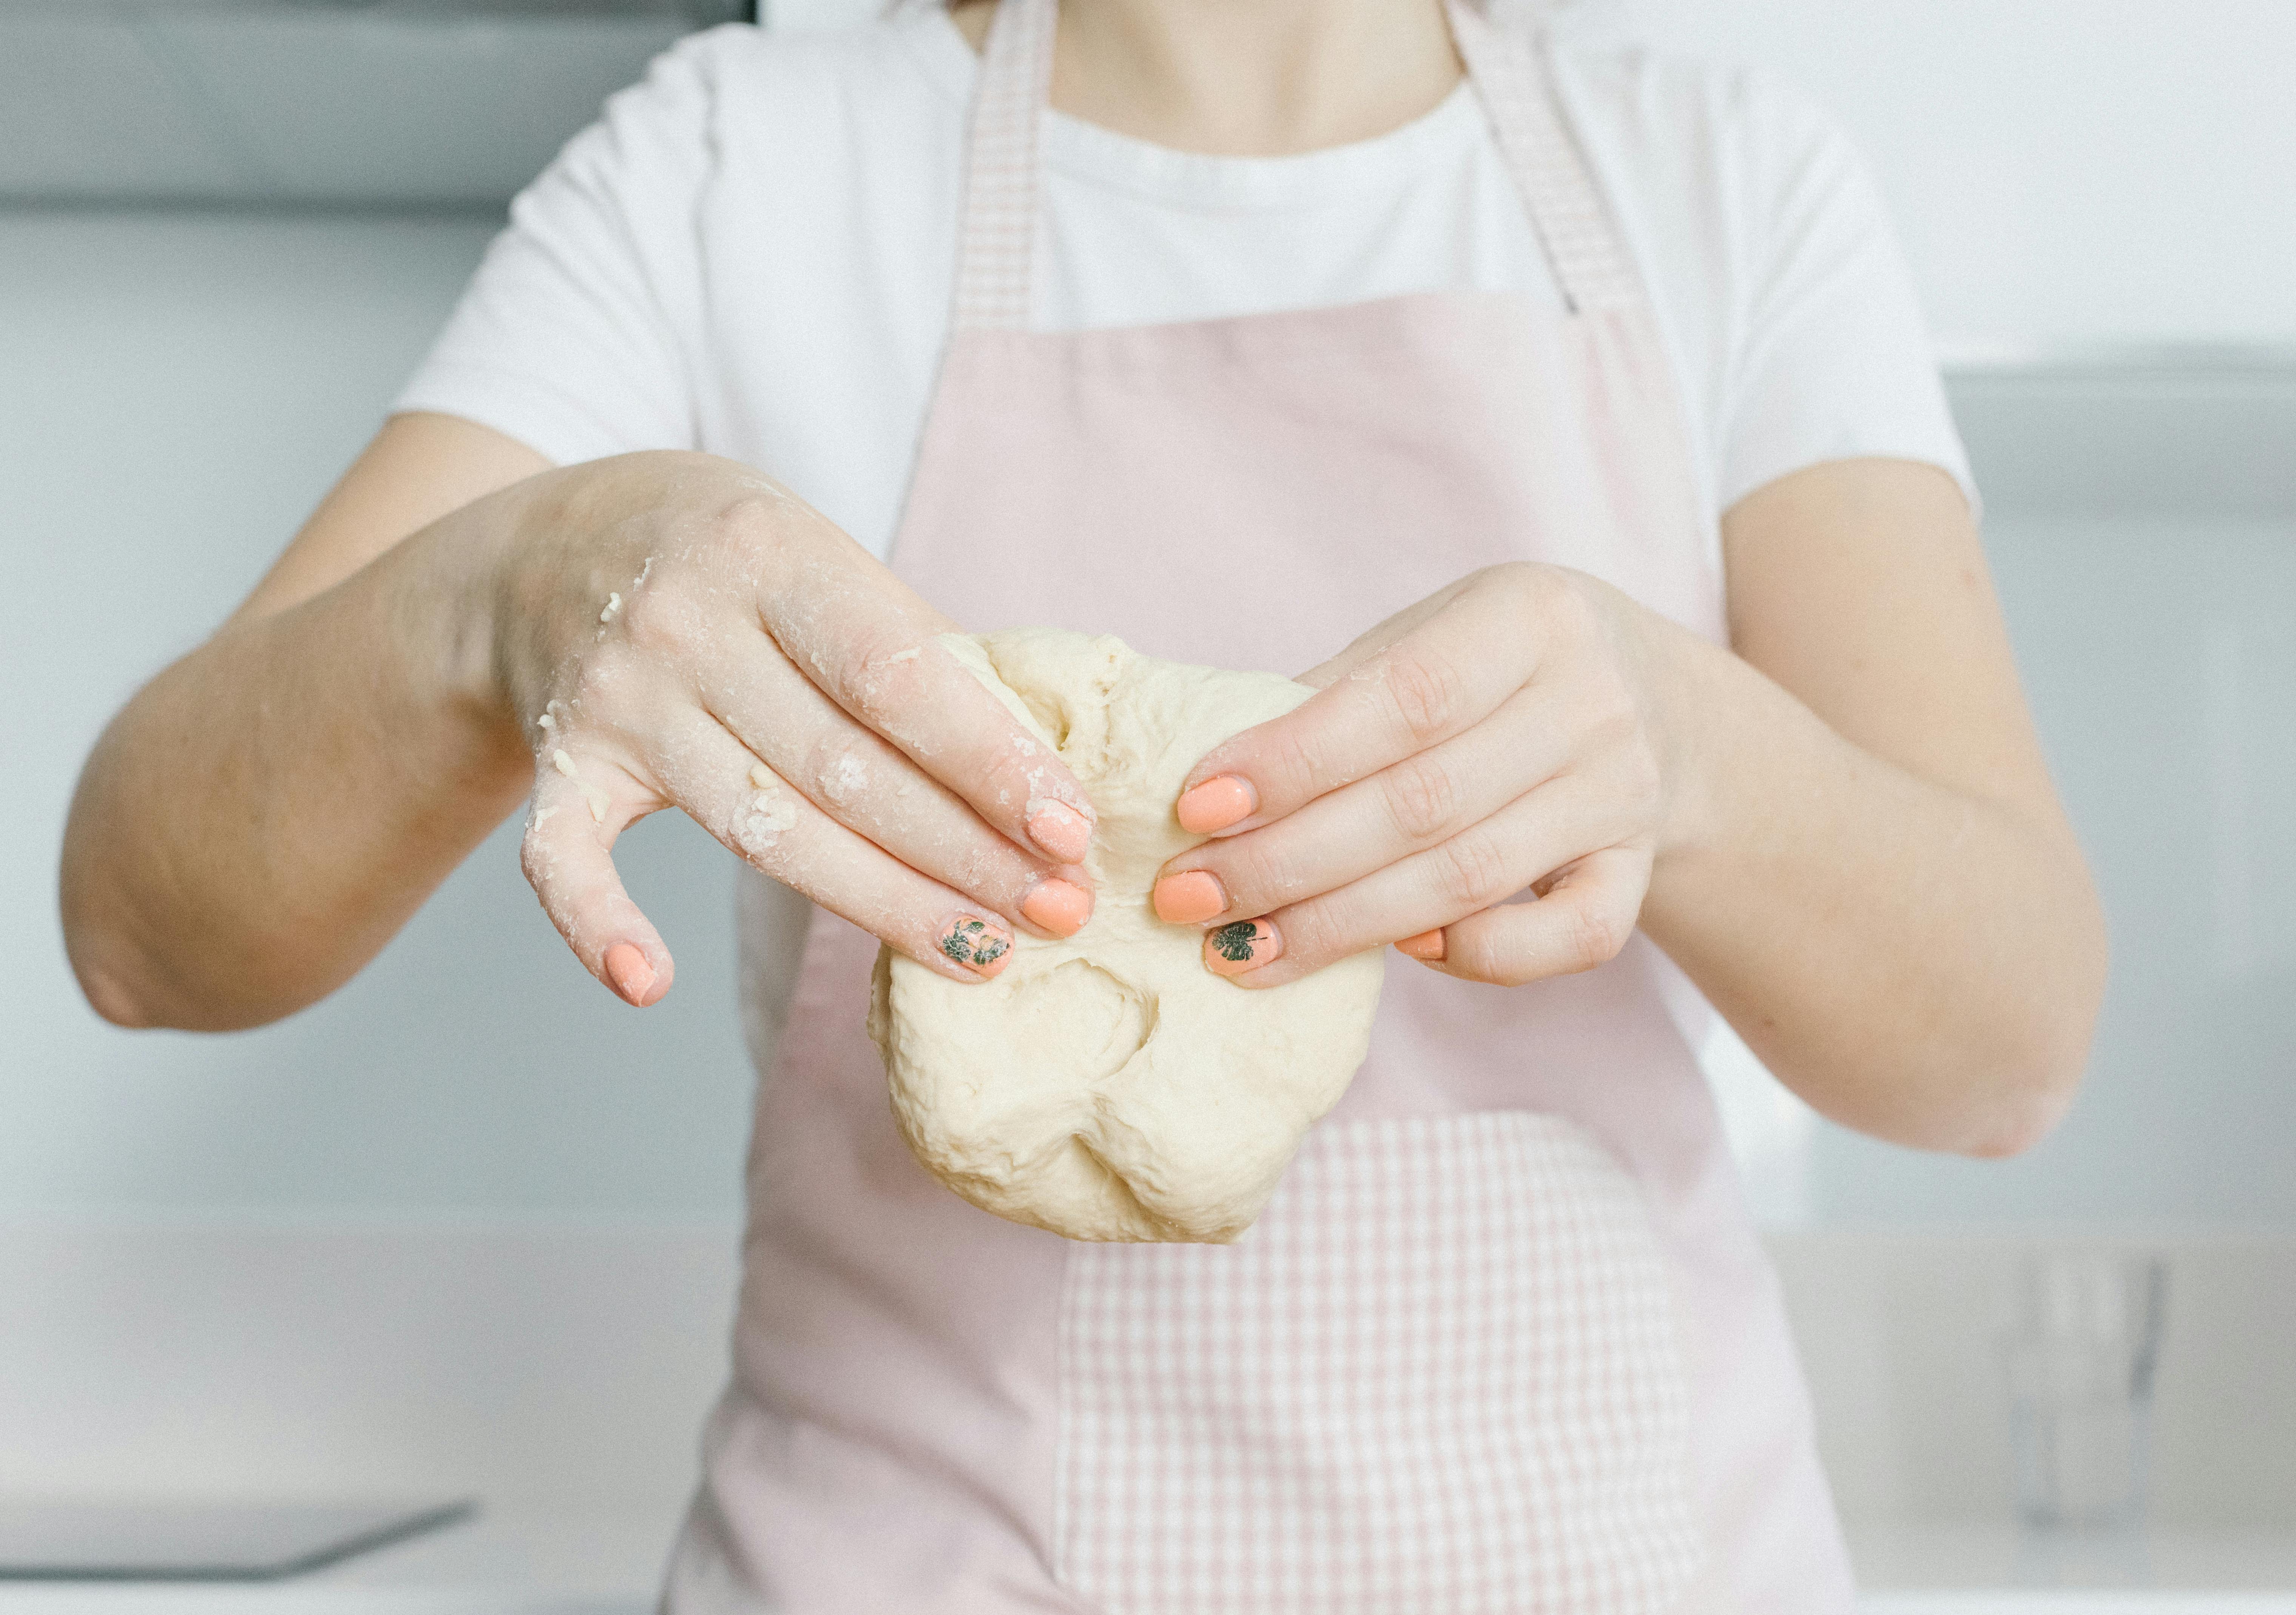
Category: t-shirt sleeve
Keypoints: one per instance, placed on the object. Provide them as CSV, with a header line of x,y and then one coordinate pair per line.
x,y
1830,357
577,334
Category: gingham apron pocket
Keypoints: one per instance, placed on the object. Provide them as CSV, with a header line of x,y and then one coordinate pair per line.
x,y
1442,1374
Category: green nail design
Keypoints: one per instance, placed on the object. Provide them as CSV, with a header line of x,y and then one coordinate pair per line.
x,y
1236,940
970,942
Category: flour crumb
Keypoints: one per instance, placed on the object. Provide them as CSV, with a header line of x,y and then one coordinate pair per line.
x,y
769,813
545,722
908,655
599,800
845,779
761,777
613,604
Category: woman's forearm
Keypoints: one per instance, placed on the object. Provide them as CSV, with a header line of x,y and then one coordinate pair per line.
x,y
1917,962
263,817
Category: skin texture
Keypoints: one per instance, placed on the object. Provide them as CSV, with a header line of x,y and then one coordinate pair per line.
x,y
1843,833
1841,827
265,815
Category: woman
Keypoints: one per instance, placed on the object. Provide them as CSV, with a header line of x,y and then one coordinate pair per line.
x,y
1591,379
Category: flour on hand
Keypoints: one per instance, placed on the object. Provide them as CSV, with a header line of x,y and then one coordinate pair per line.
x,y
1109,1087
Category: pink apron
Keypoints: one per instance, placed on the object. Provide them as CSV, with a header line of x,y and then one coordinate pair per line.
x,y
1505,1339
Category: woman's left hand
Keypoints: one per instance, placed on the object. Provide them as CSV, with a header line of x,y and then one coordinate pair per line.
x,y
1500,737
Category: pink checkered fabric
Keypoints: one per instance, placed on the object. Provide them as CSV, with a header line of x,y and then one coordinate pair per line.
x,y
1591,264
1441,1375
998,235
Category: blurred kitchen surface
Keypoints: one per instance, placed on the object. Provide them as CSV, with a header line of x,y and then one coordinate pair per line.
x,y
469,1225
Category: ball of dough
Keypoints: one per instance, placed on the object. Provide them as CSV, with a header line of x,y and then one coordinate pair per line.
x,y
1109,1087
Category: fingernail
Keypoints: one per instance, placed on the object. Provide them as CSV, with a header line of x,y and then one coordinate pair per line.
x,y
982,947
1246,945
1218,802
1058,906
628,970
1061,830
1189,898
1427,946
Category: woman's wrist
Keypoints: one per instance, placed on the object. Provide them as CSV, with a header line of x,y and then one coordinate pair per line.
x,y
456,590
1726,737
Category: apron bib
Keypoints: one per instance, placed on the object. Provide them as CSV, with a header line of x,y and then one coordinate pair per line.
x,y
1505,1339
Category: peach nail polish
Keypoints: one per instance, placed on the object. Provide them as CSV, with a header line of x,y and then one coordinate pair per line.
x,y
982,947
1061,830
1189,898
1218,802
1059,907
628,970
1246,945
1426,947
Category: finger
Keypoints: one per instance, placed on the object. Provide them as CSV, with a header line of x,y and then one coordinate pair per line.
x,y
1404,808
1532,838
729,792
582,802
863,782
1440,678
1372,642
873,655
1584,920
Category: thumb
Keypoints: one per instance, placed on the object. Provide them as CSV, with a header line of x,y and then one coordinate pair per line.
x,y
578,811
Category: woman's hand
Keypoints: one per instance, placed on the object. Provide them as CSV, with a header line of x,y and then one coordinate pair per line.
x,y
1494,739
676,630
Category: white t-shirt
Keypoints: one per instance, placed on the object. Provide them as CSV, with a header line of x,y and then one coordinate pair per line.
x,y
753,254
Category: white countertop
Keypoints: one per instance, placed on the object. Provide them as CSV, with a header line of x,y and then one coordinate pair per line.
x,y
510,1559
1939,1569
541,1558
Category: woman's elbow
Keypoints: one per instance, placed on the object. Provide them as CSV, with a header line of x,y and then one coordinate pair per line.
x,y
2022,1116
112,998
114,977
121,979
2043,1062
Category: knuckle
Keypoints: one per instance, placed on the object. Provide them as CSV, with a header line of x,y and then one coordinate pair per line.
x,y
1521,575
747,522
1593,936
1293,756
661,622
1478,957
876,671
1312,935
1527,581
1426,690
1255,872
1421,796
838,768
1471,870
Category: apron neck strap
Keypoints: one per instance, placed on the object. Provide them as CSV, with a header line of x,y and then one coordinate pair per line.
x,y
997,229
1590,263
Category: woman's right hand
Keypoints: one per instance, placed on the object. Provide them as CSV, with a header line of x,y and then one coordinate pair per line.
x,y
677,630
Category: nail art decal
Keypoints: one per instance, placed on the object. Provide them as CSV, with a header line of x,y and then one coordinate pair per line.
x,y
976,945
1234,941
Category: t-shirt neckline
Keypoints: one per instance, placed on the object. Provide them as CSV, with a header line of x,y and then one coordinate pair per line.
x,y
1198,181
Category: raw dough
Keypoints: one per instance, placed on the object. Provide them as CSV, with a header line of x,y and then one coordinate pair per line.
x,y
1109,1087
